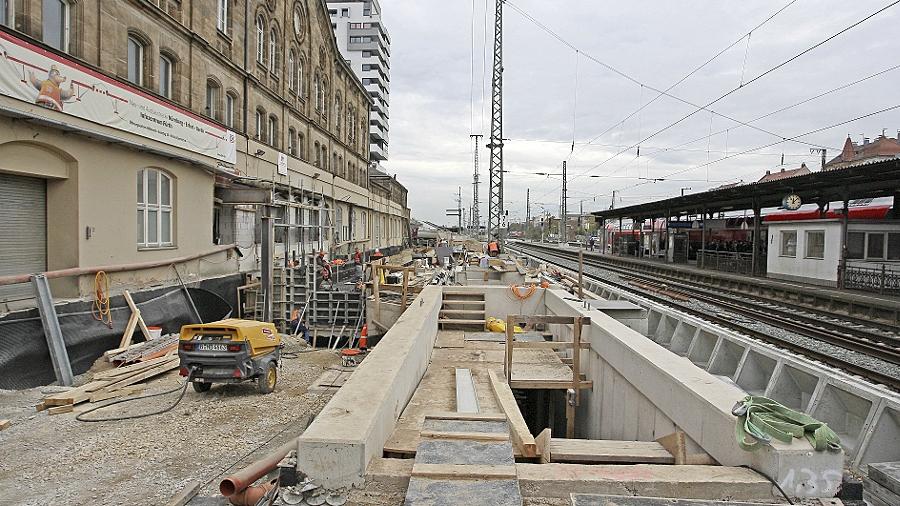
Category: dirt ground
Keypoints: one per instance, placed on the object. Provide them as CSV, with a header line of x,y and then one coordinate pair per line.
x,y
57,460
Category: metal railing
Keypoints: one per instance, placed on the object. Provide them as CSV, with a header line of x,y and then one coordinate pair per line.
x,y
728,261
882,279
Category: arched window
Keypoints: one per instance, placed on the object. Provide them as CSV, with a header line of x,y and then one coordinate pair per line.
x,y
337,112
166,72
292,71
324,157
301,86
213,95
260,124
272,131
260,40
317,85
292,141
230,110
135,60
340,166
55,21
155,207
301,146
273,51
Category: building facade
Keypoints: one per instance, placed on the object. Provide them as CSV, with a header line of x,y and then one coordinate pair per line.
x,y
366,45
124,124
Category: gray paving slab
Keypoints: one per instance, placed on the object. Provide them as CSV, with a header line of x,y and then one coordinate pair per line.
x,y
428,492
447,451
465,426
886,474
500,337
623,500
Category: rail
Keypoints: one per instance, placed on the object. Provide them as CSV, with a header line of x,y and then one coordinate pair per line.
x,y
883,279
727,261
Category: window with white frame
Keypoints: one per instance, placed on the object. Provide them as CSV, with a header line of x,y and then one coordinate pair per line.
x,y
789,243
260,40
229,109
135,61
213,91
273,51
222,15
166,68
4,12
815,244
55,19
155,207
272,131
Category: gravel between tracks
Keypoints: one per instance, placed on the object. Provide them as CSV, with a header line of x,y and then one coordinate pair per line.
x,y
57,460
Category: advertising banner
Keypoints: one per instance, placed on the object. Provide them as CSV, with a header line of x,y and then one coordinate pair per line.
x,y
37,76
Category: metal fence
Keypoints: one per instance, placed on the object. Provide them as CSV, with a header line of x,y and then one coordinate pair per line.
x,y
881,279
728,261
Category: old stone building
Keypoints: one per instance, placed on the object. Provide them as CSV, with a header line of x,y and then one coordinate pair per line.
x,y
159,109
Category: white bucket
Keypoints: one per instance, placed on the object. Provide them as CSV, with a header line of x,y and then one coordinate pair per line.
x,y
155,332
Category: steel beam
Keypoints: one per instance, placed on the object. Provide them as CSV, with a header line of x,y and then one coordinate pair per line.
x,y
495,204
55,342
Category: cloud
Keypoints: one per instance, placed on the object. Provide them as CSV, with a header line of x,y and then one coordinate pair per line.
x,y
432,116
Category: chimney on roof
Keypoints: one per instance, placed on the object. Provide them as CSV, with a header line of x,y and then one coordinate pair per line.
x,y
782,169
768,172
865,141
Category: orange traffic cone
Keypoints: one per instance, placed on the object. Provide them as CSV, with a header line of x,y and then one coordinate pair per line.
x,y
364,337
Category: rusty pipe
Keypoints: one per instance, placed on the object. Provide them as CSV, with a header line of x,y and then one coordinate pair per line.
x,y
250,496
80,271
245,477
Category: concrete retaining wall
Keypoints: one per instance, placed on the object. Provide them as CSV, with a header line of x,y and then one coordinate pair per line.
x,y
354,425
642,391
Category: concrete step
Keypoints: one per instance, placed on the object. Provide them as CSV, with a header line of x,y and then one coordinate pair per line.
x,y
462,312
461,324
469,303
463,296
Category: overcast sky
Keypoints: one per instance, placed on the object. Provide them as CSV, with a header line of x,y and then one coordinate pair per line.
x,y
434,107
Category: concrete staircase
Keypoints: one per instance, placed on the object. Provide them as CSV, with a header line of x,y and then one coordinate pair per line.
x,y
462,311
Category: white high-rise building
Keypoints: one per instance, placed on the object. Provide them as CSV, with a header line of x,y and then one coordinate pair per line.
x,y
366,45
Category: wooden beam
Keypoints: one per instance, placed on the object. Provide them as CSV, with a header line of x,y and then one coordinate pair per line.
x,y
5,423
552,319
463,472
510,337
521,435
186,494
474,436
474,417
552,345
543,443
58,410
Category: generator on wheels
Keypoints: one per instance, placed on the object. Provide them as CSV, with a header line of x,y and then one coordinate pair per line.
x,y
230,351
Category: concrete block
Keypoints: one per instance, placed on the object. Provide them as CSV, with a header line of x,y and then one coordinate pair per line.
x,y
793,387
800,470
622,500
429,492
886,474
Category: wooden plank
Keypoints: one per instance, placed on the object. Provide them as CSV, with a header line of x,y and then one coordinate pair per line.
x,y
103,395
553,319
40,406
58,410
474,436
507,361
543,443
463,472
127,370
125,342
5,423
521,435
186,494
549,345
674,443
473,417
598,451
140,319
75,395
163,368
576,377
549,384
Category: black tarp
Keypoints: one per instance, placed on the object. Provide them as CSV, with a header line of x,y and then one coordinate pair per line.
x,y
25,359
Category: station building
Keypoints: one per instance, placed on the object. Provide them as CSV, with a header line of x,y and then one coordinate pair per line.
x,y
126,127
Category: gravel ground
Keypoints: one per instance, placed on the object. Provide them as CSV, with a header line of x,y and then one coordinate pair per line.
x,y
849,356
57,460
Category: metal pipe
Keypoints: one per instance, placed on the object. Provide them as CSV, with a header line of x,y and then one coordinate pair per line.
x,y
80,271
245,477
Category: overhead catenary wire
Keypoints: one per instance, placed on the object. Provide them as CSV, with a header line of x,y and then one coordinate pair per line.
x,y
751,81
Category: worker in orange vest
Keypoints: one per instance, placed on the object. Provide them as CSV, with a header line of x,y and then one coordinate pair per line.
x,y
494,248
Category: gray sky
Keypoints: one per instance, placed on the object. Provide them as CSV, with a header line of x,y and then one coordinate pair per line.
x,y
655,42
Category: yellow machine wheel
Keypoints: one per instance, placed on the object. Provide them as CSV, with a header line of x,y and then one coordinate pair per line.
x,y
268,379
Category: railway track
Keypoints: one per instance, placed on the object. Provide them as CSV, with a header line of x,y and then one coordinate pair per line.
x,y
847,333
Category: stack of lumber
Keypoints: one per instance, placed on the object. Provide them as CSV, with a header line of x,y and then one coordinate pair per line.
x,y
109,384
142,352
882,486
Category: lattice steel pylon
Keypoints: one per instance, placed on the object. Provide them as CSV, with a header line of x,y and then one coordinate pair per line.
x,y
495,200
476,213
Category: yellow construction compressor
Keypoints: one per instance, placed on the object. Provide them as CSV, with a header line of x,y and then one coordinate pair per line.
x,y
230,351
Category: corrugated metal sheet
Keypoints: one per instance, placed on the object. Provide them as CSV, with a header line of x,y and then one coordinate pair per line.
x,y
23,231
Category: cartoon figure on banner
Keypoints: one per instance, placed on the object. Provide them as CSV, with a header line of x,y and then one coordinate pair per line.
x,y
50,94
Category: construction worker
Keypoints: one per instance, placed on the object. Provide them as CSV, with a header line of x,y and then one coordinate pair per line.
x,y
324,265
494,248
357,259
377,255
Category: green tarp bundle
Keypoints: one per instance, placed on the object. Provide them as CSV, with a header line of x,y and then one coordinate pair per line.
x,y
761,419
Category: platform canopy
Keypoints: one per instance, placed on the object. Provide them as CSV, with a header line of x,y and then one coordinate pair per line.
x,y
876,179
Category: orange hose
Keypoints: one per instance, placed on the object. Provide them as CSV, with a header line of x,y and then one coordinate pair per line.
x,y
530,289
100,310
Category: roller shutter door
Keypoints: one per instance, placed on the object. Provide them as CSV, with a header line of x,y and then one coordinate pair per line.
x,y
23,231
